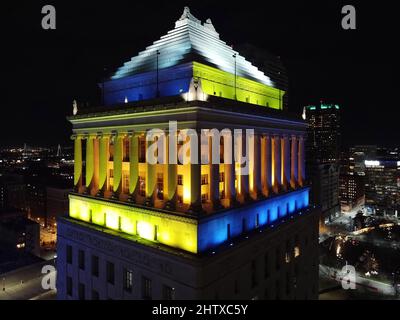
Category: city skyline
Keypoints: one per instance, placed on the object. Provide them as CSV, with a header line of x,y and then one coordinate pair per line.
x,y
324,62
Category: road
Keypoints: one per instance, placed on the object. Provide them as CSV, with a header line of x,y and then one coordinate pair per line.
x,y
26,283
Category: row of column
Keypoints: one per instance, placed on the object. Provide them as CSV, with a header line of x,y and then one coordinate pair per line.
x,y
276,165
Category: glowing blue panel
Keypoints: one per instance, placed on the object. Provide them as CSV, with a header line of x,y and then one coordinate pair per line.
x,y
213,231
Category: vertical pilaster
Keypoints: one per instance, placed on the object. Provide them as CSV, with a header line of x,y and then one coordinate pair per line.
x,y
89,162
195,183
118,154
294,162
77,162
104,150
150,177
276,165
133,165
255,169
214,175
229,169
301,163
244,175
172,172
286,162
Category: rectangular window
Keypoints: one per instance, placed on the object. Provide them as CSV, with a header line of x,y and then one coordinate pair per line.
x,y
69,254
69,286
168,293
204,179
266,265
146,288
244,225
204,197
81,259
180,180
110,272
160,186
111,173
95,295
142,186
257,220
128,280
180,199
222,177
253,274
81,291
228,231
95,266
125,184
142,150
126,151
278,258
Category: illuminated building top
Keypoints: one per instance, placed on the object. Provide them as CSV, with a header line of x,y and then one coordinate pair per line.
x,y
191,40
191,206
192,62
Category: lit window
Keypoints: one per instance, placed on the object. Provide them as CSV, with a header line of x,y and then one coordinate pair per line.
x,y
168,293
128,280
296,251
204,179
180,180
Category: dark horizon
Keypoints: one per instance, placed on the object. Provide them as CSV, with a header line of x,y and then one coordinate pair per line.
x,y
47,69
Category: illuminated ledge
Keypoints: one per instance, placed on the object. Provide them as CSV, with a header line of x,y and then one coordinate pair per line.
x,y
191,234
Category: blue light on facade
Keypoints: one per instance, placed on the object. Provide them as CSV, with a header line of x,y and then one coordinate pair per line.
x,y
213,231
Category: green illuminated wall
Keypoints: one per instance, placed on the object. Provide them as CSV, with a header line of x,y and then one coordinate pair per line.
x,y
220,83
171,230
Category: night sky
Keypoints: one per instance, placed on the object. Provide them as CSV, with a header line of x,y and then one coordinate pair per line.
x,y
44,70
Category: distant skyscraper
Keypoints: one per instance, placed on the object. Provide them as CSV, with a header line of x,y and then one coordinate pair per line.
x,y
323,142
382,186
176,230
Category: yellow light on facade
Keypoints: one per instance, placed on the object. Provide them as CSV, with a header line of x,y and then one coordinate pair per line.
x,y
186,194
112,220
145,230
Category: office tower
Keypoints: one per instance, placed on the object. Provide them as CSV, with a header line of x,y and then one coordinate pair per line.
x,y
382,186
176,229
323,139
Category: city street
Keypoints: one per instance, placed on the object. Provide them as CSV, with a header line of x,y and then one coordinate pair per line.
x,y
25,284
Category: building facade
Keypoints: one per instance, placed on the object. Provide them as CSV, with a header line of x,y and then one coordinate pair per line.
x,y
323,141
382,186
212,228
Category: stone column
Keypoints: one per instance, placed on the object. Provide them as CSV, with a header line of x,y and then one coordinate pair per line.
x,y
96,150
195,182
286,162
214,175
276,165
77,162
89,162
229,170
118,153
255,169
150,177
301,163
133,165
104,151
294,163
172,172
244,176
